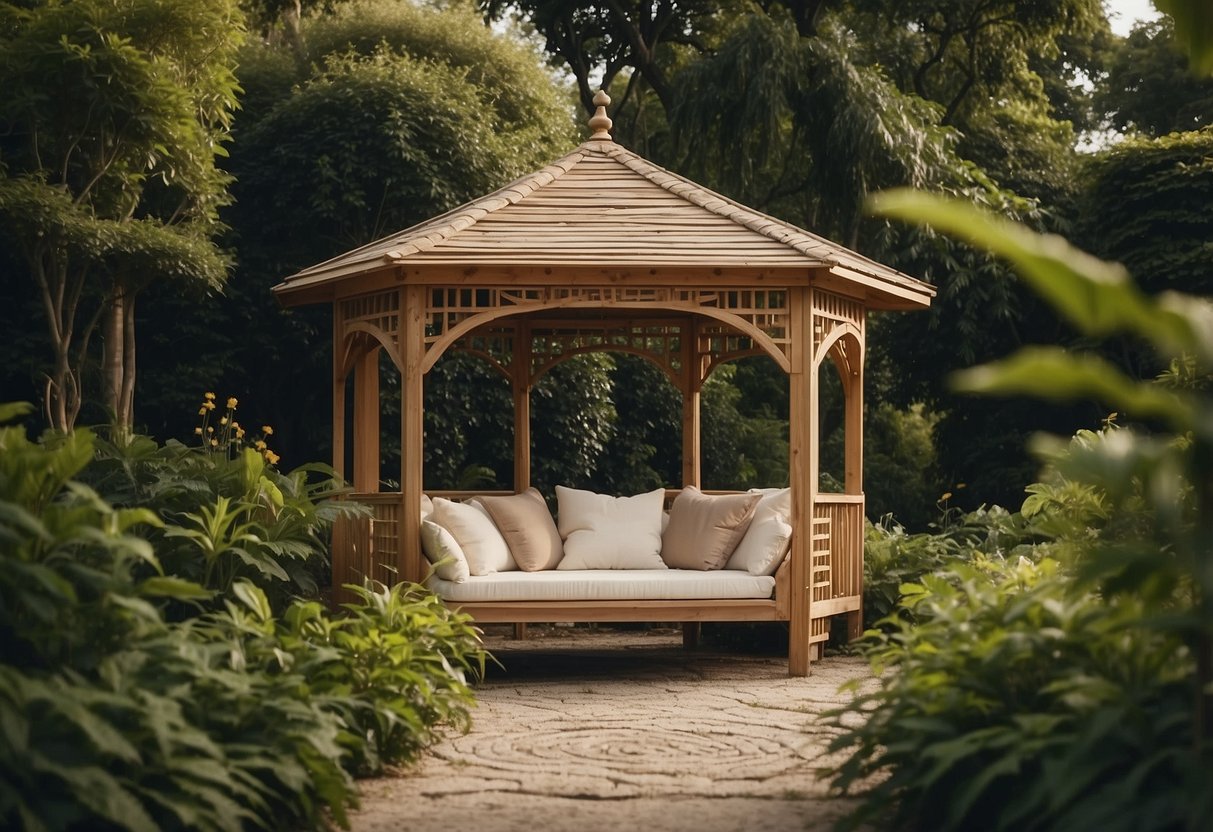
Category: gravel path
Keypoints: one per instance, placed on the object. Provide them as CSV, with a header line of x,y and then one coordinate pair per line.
x,y
601,730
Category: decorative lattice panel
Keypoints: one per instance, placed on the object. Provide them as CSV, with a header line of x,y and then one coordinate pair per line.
x,y
659,342
379,312
766,310
831,310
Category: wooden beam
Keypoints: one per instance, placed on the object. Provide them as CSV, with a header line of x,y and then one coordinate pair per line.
x,y
338,394
521,384
692,465
802,476
366,422
412,354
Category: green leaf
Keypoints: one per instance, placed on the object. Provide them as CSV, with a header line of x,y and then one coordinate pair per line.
x,y
1097,297
1193,29
1054,373
168,586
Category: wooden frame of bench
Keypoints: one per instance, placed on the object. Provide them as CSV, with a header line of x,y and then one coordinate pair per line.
x,y
602,250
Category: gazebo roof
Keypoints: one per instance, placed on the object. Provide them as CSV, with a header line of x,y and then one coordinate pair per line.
x,y
603,207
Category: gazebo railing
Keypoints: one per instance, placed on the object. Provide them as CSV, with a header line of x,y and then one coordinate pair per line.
x,y
841,515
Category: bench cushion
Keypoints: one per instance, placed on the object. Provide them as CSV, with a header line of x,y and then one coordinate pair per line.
x,y
606,585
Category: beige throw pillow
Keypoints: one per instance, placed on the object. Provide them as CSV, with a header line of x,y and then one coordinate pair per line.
x,y
527,526
766,541
482,544
444,552
605,532
704,530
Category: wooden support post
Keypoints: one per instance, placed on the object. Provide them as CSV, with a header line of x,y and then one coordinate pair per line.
x,y
521,371
802,461
520,631
366,423
412,353
854,460
692,631
338,392
692,466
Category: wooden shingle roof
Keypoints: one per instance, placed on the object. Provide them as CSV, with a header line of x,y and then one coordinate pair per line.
x,y
604,206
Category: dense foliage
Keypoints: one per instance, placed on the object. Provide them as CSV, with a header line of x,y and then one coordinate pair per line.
x,y
1054,672
132,697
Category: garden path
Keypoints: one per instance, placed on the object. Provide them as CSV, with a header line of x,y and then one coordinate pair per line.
x,y
589,730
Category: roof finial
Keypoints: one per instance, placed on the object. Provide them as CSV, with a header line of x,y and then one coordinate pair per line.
x,y
600,122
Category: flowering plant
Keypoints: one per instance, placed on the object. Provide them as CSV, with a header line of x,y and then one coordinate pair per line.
x,y
226,436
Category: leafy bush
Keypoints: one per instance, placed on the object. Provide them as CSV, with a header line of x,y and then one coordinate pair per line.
x,y
1077,692
1014,701
112,716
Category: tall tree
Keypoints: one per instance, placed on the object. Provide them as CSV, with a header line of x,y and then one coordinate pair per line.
x,y
112,117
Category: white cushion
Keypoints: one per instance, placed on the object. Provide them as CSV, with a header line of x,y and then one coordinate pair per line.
x,y
606,585
766,541
443,550
604,532
483,546
427,506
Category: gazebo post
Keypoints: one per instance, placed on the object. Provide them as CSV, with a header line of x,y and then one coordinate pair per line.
x,y
338,394
854,460
366,423
412,353
521,383
692,466
802,453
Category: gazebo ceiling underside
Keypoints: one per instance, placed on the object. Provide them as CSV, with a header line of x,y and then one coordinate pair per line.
x,y
603,214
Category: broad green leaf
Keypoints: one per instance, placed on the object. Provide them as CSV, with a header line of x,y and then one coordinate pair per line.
x,y
1193,29
1054,373
169,586
1097,297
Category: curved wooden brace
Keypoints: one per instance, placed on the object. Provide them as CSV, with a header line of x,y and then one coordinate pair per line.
x,y
488,359
669,371
840,331
468,325
357,344
725,358
379,335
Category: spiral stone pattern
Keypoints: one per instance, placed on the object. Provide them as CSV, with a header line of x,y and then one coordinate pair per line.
x,y
637,732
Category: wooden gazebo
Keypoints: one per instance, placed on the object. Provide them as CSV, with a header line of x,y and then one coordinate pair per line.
x,y
603,250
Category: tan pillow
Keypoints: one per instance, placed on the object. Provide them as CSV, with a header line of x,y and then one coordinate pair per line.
x,y
527,526
704,530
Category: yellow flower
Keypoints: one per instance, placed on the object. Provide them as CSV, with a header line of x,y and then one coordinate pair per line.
x,y
209,405
231,403
271,457
267,430
223,421
198,431
239,433
214,443
259,445
210,429
202,410
209,396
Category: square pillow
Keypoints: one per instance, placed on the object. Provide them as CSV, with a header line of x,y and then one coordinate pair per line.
x,y
704,530
527,526
766,540
442,550
604,532
483,546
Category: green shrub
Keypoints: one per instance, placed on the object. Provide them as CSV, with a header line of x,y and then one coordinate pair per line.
x,y
1015,701
112,716
1076,692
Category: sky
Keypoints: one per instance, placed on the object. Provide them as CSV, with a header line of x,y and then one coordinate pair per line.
x,y
1124,13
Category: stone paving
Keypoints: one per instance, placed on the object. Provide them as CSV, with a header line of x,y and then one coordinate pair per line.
x,y
598,730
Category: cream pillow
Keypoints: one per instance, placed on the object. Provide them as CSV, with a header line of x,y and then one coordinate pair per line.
x,y
483,546
766,540
526,524
443,550
704,530
604,532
